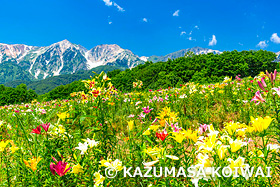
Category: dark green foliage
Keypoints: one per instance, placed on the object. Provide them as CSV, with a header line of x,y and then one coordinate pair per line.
x,y
17,95
64,91
10,70
204,68
48,84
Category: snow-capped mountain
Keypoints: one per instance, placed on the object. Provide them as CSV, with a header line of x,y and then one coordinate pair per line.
x,y
60,58
182,52
25,62
17,51
111,55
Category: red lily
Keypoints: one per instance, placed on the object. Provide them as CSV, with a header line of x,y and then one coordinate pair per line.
x,y
37,130
162,135
46,126
59,168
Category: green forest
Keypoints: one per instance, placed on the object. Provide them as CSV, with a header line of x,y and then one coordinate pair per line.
x,y
203,68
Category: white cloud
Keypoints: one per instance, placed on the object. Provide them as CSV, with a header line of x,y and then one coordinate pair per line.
x,y
118,7
190,33
110,3
176,13
213,41
110,22
196,27
275,38
241,44
145,20
182,33
191,39
262,44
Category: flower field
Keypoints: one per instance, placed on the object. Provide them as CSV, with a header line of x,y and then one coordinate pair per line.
x,y
91,139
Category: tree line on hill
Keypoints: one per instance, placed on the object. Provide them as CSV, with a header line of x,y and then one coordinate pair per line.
x,y
203,68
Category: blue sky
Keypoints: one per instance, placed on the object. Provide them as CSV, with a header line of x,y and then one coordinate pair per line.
x,y
147,27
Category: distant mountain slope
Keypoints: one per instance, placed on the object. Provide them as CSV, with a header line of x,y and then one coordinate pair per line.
x,y
181,53
46,85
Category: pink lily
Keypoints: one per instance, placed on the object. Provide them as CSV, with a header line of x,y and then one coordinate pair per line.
x,y
277,91
45,126
59,168
258,97
202,128
272,76
262,84
175,127
147,110
141,115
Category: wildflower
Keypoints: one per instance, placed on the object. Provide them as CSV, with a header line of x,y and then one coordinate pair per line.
x,y
45,126
277,91
192,135
96,92
82,147
183,96
147,110
60,168
260,124
117,164
273,147
77,169
3,144
61,129
32,163
91,143
172,157
179,136
105,77
154,153
162,135
63,115
272,76
262,84
238,163
98,179
147,132
130,124
236,145
202,128
222,150
154,127
258,153
37,130
241,132
258,97
203,160
175,127
131,116
150,164
14,148
141,115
